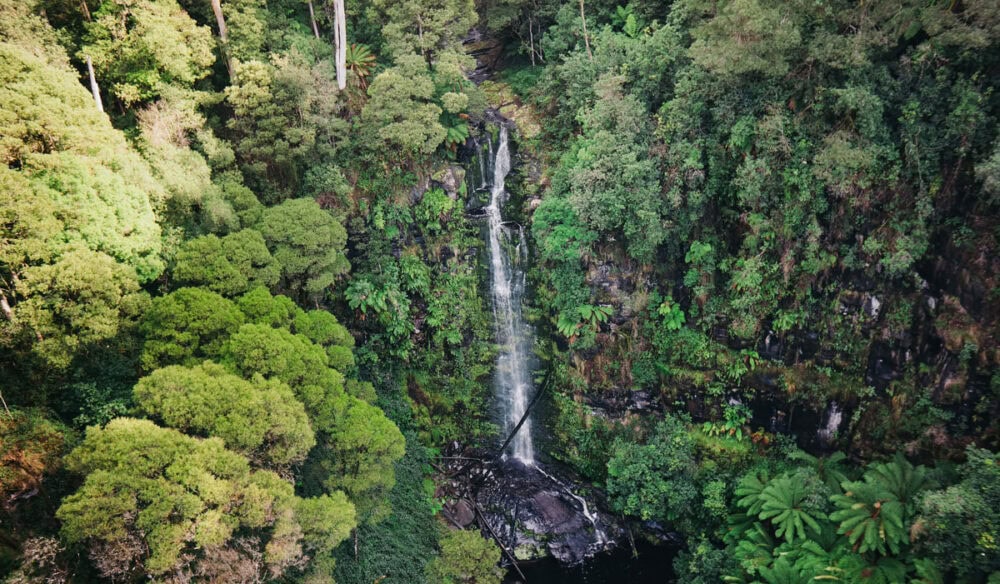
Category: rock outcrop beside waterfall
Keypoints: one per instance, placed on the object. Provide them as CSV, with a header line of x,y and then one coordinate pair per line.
x,y
532,513
536,516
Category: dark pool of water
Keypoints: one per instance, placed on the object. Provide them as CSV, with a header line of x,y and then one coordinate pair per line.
x,y
652,565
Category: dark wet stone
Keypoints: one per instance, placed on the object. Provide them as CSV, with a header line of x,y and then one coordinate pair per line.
x,y
535,516
462,513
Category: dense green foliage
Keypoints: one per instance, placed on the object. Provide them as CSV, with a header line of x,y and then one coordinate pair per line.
x,y
466,558
259,418
768,228
765,215
149,488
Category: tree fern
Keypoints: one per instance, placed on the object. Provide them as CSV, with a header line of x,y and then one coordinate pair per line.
x,y
874,513
739,525
900,478
749,490
816,556
753,549
568,325
871,517
927,572
360,60
595,315
783,572
783,504
855,568
756,549
828,468
458,133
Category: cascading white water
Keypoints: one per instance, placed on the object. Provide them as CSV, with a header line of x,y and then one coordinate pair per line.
x,y
833,418
513,373
513,382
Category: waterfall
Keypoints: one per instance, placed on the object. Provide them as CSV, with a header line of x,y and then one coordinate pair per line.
x,y
513,373
528,506
833,419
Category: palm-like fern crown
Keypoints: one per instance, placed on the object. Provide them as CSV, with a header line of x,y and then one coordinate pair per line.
x,y
870,516
900,478
784,503
855,568
784,572
359,59
874,513
749,490
828,469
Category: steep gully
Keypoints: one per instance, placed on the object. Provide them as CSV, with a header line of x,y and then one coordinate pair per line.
x,y
554,529
533,507
530,505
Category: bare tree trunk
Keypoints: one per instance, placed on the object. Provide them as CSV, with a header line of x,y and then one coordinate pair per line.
x,y
220,19
340,39
5,307
586,37
531,41
93,85
312,19
85,9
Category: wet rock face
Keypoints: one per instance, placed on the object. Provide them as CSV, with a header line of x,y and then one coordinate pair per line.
x,y
450,179
486,49
535,516
618,403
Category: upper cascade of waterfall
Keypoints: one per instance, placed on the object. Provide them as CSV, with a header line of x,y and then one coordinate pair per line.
x,y
515,338
501,168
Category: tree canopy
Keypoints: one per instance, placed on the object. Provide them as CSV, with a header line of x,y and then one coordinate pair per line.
x,y
257,418
155,487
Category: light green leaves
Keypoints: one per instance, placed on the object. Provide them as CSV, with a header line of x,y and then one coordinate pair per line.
x,y
364,296
85,297
672,315
466,557
425,27
139,46
258,418
186,327
747,36
308,243
152,496
434,208
230,265
401,106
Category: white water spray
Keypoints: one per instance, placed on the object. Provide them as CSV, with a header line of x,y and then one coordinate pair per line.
x,y
601,538
513,375
833,419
